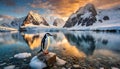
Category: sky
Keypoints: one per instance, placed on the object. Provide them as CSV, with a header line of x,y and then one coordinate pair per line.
x,y
57,8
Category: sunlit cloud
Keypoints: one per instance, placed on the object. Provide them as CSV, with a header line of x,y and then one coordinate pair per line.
x,y
56,8
108,5
6,16
105,3
64,8
61,8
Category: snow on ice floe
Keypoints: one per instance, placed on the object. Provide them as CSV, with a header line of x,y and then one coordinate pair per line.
x,y
10,67
22,55
35,63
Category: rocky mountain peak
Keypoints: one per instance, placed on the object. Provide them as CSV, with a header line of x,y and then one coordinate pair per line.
x,y
31,12
34,19
84,16
91,8
87,8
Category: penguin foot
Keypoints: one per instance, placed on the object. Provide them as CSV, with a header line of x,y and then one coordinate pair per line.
x,y
45,52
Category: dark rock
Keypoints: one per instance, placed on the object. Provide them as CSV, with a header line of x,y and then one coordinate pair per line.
x,y
100,21
106,18
50,58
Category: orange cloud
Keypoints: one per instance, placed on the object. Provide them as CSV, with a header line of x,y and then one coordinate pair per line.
x,y
60,7
105,3
64,8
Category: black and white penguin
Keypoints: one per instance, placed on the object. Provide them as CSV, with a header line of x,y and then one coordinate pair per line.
x,y
45,42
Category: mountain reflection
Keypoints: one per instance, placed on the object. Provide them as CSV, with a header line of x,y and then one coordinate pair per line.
x,y
86,43
32,40
68,43
79,44
58,43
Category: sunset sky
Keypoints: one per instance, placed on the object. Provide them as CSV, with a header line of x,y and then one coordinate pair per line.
x,y
58,8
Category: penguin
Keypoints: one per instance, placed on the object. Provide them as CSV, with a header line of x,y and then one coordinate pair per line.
x,y
44,45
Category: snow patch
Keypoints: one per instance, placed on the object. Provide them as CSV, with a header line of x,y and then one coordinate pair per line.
x,y
87,15
106,25
35,63
1,19
10,67
22,55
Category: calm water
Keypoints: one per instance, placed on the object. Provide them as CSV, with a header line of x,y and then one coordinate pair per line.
x,y
69,43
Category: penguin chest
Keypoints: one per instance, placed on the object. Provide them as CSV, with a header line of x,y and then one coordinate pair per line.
x,y
47,43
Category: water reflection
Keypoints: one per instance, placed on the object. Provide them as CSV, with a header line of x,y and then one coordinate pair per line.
x,y
63,47
58,44
10,44
77,43
32,40
69,43
90,41
86,43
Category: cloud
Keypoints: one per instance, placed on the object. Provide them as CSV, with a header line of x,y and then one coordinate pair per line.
x,y
65,8
61,7
6,16
19,10
8,2
105,3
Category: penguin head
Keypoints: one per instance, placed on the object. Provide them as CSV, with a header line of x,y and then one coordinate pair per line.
x,y
48,34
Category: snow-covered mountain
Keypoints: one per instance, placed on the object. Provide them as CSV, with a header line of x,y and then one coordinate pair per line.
x,y
108,14
31,19
89,18
6,19
34,19
59,22
84,16
16,23
50,19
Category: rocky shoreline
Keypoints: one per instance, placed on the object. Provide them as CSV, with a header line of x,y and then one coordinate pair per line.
x,y
96,62
90,63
